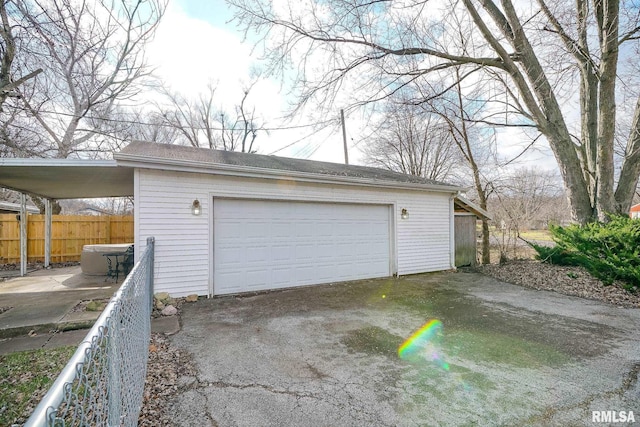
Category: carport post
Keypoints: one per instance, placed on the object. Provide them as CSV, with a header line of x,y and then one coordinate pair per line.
x,y
47,233
23,234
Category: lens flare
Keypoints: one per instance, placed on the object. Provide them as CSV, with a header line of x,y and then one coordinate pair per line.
x,y
423,345
421,340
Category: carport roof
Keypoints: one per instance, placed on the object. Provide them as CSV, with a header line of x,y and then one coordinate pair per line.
x,y
140,153
66,178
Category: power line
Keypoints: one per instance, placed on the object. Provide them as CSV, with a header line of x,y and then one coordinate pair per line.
x,y
169,125
297,141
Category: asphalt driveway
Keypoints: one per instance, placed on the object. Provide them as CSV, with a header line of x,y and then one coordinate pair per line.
x,y
498,354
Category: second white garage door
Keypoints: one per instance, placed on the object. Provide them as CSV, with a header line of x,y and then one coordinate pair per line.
x,y
261,245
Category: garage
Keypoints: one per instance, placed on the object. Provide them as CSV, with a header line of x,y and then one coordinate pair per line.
x,y
273,244
229,223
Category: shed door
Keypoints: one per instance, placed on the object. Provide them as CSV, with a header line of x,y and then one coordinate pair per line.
x,y
261,245
465,236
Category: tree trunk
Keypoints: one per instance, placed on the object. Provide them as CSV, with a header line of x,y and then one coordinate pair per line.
x,y
486,254
55,206
607,113
631,167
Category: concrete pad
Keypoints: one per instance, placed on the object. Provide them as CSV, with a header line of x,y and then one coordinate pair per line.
x,y
328,355
67,338
54,339
23,343
43,300
43,341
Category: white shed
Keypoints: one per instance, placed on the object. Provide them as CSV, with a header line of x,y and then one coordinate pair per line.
x,y
227,222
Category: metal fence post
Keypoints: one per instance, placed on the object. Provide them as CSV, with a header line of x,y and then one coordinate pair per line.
x,y
151,243
114,372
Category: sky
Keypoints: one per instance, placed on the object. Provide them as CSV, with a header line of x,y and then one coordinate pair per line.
x,y
196,44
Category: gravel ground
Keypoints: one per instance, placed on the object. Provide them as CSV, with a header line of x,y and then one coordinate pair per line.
x,y
575,281
37,265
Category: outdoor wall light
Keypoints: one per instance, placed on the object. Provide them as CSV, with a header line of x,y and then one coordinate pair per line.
x,y
404,214
196,209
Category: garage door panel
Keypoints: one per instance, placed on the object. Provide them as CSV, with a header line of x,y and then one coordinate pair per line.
x,y
281,278
229,256
262,245
257,253
257,278
280,229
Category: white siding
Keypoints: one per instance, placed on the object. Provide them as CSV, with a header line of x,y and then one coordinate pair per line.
x,y
183,241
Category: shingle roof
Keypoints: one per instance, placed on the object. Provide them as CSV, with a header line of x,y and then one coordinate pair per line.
x,y
152,150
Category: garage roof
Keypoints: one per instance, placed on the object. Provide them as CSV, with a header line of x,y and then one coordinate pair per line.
x,y
66,178
191,157
8,207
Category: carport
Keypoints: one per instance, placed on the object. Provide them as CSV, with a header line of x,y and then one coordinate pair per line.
x,y
52,179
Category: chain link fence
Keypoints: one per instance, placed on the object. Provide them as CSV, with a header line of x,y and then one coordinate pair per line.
x,y
103,383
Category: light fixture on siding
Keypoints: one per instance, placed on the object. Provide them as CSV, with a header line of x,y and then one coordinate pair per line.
x,y
196,209
404,214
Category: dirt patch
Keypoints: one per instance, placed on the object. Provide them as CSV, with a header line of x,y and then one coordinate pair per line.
x,y
167,368
575,281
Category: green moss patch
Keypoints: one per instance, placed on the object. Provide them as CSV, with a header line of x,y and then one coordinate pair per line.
x,y
499,348
373,340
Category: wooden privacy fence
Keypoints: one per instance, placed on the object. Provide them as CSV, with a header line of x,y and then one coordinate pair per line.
x,y
69,233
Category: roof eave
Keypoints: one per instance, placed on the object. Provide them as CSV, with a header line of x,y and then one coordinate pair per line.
x,y
473,208
57,162
150,162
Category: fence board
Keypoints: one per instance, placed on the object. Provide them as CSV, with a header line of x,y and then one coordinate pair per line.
x,y
69,233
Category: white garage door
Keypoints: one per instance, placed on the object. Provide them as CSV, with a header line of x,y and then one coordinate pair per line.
x,y
262,244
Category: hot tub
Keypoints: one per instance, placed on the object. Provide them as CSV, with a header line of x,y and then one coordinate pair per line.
x,y
93,263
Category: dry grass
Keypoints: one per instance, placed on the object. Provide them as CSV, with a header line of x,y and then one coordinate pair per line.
x,y
538,235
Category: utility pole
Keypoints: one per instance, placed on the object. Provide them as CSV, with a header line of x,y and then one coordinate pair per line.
x,y
344,138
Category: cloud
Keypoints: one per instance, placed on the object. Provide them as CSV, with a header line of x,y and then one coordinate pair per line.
x,y
189,53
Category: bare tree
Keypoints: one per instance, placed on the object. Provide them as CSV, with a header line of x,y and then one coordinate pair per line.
x,y
476,144
524,197
538,52
196,122
200,123
240,133
527,198
8,81
147,126
93,56
114,205
412,141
